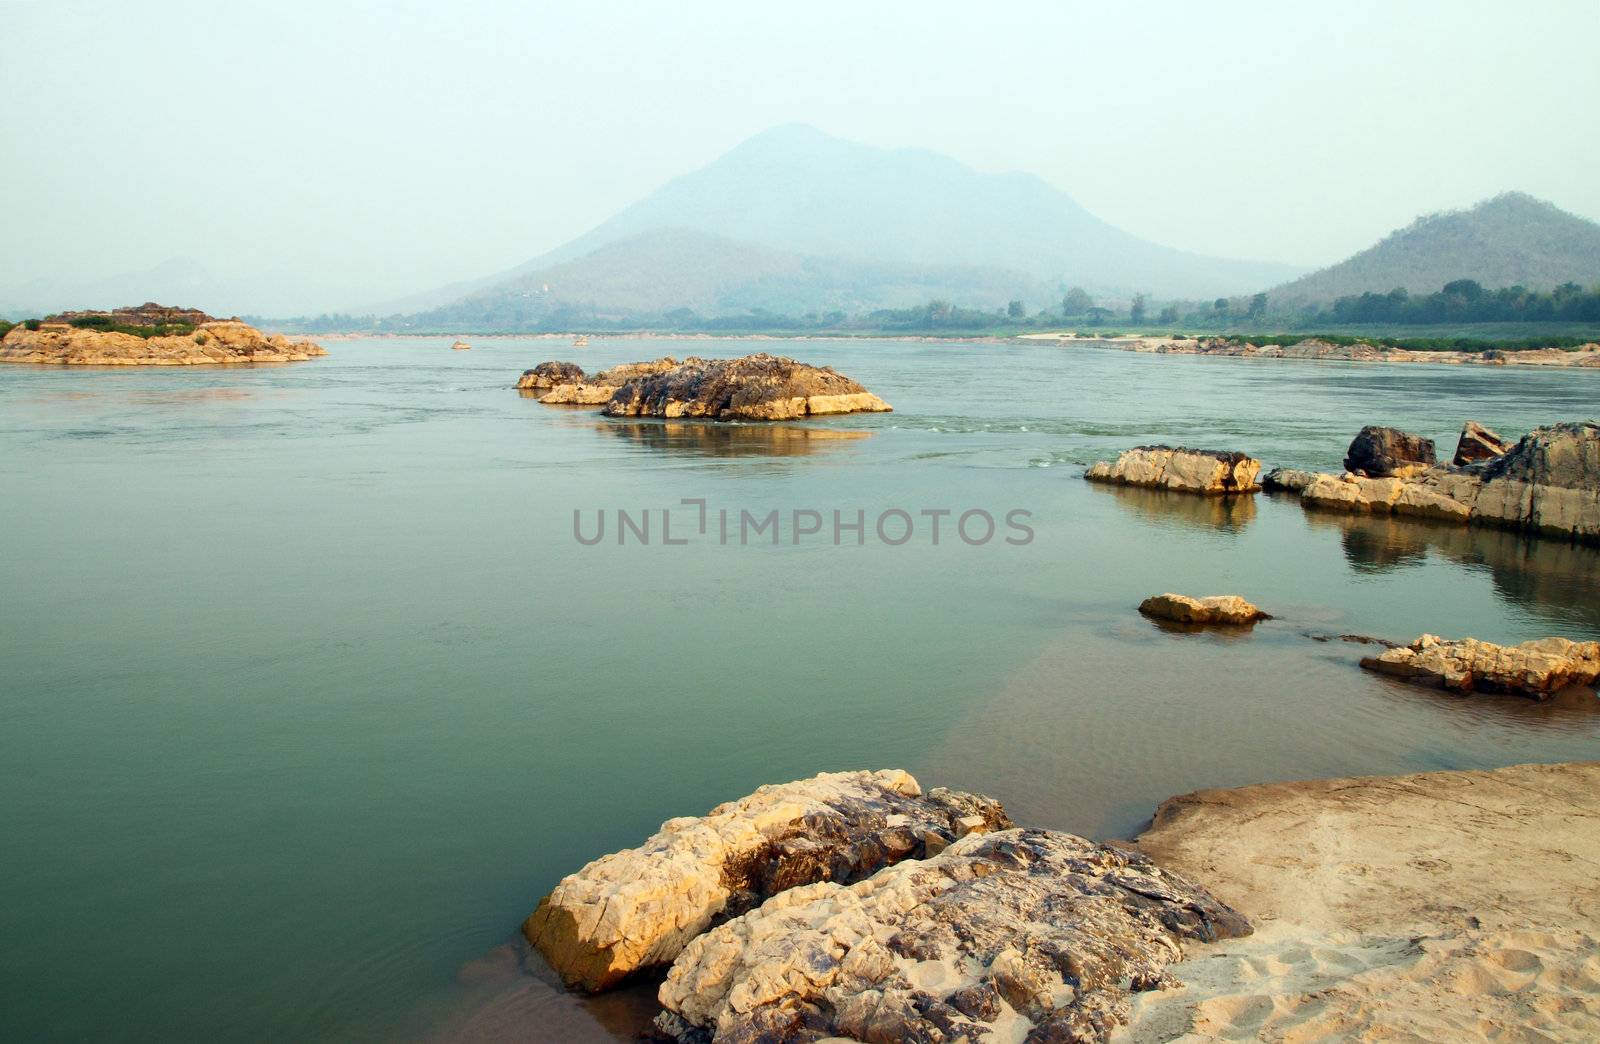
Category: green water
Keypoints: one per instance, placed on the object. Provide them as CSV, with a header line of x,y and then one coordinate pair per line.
x,y
307,692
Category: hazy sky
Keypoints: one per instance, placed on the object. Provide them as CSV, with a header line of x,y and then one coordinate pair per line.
x,y
332,154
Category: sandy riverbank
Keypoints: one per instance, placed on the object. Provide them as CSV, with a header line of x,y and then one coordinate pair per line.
x,y
1314,350
1441,906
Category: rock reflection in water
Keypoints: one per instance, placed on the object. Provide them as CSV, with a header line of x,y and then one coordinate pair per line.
x,y
1226,513
721,439
1537,573
511,994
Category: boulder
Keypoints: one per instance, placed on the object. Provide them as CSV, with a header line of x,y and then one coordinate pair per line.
x,y
1179,468
1287,479
637,909
1214,609
755,387
460,346
1537,669
1022,933
1478,443
1382,452
548,375
219,341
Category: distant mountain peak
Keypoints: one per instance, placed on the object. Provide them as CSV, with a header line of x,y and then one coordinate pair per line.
x,y
1512,239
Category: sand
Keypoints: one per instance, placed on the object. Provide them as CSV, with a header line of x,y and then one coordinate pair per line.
x,y
1443,906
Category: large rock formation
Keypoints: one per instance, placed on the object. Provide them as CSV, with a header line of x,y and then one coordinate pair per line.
x,y
1181,469
1382,452
1024,934
1214,609
1478,444
213,341
756,387
638,908
1287,480
1548,482
565,384
1537,669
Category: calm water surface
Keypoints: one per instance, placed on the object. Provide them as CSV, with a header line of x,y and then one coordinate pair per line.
x,y
307,693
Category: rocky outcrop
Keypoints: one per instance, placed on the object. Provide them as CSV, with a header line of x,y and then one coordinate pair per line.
x,y
638,908
1537,669
460,346
549,375
1214,609
1023,934
1181,469
218,341
1478,444
1384,452
1548,482
757,387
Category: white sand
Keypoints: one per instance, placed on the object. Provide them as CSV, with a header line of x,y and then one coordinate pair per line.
x,y
1448,906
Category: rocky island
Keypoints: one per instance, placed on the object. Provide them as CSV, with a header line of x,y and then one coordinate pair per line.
x,y
149,335
758,387
1183,470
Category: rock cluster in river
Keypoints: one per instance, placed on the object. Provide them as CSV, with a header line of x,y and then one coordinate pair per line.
x,y
213,341
758,387
1548,482
1021,934
638,908
1537,669
1313,348
1213,609
1180,469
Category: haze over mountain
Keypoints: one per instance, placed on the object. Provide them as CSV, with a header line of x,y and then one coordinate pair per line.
x,y
868,215
176,281
1510,240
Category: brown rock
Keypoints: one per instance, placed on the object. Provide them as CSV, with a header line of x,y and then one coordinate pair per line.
x,y
220,341
1478,443
637,909
1215,609
460,346
1382,452
1180,469
755,387
1056,928
548,375
1537,669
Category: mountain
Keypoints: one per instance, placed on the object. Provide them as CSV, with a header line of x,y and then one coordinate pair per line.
x,y
663,270
178,281
910,215
1510,240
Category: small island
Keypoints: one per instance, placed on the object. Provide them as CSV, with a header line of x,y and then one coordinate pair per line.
x,y
147,335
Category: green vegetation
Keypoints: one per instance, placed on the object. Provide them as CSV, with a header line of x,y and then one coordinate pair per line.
x,y
5,327
104,322
1465,301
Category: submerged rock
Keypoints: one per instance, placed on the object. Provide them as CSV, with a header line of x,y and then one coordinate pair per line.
x,y
1478,443
1548,482
1181,469
1215,609
1381,452
1537,669
1023,933
214,341
756,387
638,908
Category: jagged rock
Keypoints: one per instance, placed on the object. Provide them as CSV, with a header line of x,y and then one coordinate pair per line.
x,y
460,346
1288,479
1537,669
1215,609
567,378
638,908
1548,482
1020,933
1478,443
1383,452
1181,469
213,342
755,387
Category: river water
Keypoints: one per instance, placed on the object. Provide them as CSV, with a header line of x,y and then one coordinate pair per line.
x,y
308,691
